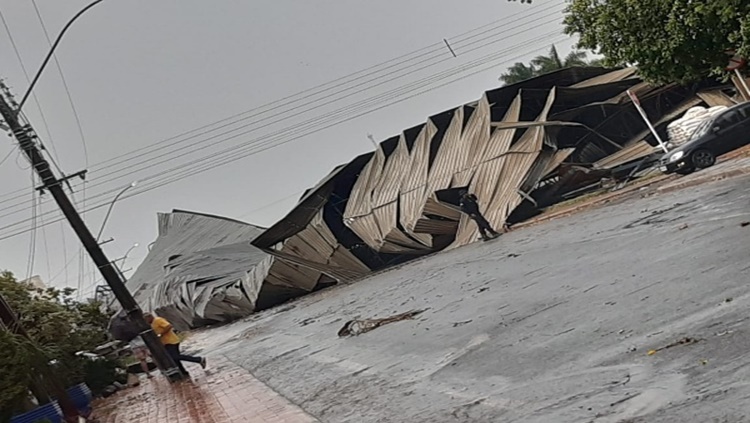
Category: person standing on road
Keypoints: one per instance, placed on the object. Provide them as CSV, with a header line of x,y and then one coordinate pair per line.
x,y
470,205
171,341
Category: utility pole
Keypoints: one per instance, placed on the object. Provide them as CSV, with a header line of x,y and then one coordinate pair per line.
x,y
26,138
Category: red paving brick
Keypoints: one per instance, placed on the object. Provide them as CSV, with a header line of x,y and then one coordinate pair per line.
x,y
224,393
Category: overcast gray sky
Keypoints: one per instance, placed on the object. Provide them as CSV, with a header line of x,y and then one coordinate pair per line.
x,y
140,72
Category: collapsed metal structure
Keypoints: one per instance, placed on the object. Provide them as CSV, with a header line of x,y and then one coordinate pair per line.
x,y
518,148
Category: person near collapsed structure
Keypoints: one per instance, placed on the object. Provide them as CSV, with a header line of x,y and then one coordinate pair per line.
x,y
140,351
171,341
470,205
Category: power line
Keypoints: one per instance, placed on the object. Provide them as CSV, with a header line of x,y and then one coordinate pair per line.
x,y
300,129
52,51
340,82
44,238
169,157
309,93
28,80
232,155
32,240
10,153
263,207
194,171
65,250
65,268
64,83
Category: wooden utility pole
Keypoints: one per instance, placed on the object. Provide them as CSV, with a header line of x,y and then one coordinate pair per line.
x,y
27,141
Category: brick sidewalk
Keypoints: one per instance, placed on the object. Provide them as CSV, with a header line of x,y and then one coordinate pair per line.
x,y
225,393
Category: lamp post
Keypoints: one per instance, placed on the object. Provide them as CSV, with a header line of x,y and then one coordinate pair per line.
x,y
111,205
24,134
125,257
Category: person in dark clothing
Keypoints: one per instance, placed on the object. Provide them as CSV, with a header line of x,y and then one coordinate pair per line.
x,y
470,205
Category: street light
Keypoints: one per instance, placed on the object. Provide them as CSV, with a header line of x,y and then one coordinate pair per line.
x,y
112,204
51,52
125,257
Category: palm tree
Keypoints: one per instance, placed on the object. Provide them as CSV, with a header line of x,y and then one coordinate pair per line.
x,y
576,58
549,63
541,65
517,73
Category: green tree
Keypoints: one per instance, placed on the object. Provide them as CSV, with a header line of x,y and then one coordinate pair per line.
x,y
59,327
669,40
517,73
541,65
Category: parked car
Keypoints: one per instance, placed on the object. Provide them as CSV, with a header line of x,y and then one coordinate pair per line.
x,y
727,131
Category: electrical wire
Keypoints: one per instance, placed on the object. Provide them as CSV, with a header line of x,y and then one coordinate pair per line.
x,y
65,268
32,238
64,83
28,80
194,171
10,153
196,146
300,128
310,93
263,207
301,131
52,51
44,239
257,145
437,48
65,250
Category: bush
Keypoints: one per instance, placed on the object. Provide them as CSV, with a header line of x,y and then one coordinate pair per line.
x,y
59,327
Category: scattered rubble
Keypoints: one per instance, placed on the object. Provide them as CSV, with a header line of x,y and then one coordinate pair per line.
x,y
684,341
358,327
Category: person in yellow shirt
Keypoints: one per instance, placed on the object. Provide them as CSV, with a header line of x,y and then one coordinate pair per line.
x,y
171,341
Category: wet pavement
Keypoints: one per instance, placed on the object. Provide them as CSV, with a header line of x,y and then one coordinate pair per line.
x,y
224,393
550,323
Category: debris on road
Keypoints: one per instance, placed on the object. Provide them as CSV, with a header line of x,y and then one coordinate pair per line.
x,y
684,341
465,322
627,398
683,227
358,327
744,224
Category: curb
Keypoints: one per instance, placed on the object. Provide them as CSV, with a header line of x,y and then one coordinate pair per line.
x,y
704,180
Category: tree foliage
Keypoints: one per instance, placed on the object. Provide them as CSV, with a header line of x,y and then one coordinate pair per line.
x,y
59,327
541,65
669,40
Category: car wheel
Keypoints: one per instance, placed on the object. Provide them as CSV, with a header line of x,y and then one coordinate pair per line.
x,y
703,159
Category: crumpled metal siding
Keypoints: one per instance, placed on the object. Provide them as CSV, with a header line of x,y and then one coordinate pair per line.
x,y
156,284
413,187
393,207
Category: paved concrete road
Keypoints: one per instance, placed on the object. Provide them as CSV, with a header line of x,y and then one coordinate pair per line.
x,y
547,324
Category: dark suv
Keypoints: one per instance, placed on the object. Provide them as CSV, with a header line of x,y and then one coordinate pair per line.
x,y
720,134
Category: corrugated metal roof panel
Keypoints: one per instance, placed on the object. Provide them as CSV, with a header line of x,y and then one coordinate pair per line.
x,y
617,75
451,155
414,185
632,152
